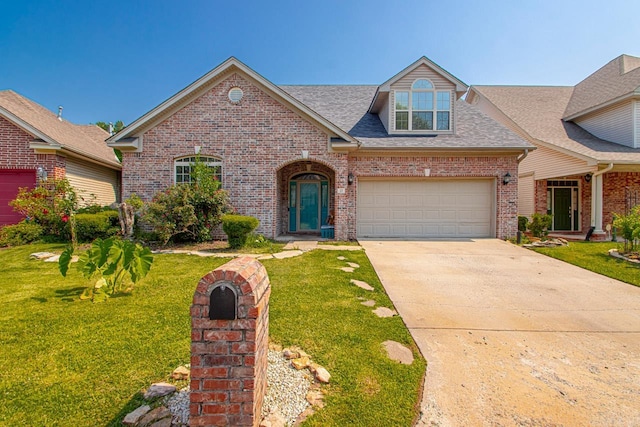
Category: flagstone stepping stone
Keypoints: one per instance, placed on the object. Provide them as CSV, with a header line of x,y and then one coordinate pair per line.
x,y
361,284
384,312
341,258
369,303
353,264
347,269
303,245
287,254
398,352
41,255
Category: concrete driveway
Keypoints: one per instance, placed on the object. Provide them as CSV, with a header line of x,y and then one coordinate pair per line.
x,y
514,338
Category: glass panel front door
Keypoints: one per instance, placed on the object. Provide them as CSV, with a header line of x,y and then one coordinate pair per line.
x,y
309,208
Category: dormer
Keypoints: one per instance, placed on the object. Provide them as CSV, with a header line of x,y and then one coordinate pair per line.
x,y
419,100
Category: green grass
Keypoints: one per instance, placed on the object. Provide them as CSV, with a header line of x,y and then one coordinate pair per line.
x,y
71,362
594,256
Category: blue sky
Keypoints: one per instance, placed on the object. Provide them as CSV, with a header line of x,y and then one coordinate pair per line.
x,y
115,60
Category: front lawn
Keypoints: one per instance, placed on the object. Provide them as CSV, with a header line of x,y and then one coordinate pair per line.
x,y
594,256
71,362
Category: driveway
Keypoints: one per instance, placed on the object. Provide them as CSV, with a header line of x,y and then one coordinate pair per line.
x,y
512,337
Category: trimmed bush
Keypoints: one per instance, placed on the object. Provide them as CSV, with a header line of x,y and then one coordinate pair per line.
x,y
522,223
99,225
20,234
238,228
540,224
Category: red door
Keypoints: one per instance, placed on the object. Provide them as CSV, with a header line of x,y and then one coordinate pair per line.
x,y
10,181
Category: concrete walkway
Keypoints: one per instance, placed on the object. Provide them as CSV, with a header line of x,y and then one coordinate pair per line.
x,y
512,337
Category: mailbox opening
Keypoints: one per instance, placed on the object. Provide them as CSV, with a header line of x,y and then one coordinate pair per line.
x,y
223,303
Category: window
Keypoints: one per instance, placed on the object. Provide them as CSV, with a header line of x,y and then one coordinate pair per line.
x,y
183,168
417,109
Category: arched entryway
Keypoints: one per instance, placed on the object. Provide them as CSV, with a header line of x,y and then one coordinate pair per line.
x,y
308,202
307,197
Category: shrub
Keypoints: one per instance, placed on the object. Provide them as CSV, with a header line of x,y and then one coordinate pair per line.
x,y
99,225
539,224
189,211
238,228
523,221
628,226
20,234
52,205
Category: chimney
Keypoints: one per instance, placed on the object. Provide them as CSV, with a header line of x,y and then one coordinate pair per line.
x,y
110,128
60,112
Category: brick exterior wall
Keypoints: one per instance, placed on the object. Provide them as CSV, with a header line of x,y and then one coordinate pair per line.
x,y
260,142
18,155
229,357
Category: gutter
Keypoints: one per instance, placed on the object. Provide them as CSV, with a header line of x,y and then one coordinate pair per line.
x,y
603,171
523,155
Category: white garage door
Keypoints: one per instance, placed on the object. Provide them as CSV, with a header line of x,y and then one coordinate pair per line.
x,y
426,208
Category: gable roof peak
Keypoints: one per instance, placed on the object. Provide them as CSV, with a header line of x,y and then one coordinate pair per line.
x,y
628,63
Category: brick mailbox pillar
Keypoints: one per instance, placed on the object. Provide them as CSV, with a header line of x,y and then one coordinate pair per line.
x,y
229,343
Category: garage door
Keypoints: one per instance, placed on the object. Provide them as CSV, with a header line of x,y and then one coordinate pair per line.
x,y
426,208
10,181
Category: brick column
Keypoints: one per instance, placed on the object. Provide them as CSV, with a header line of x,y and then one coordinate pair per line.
x,y
229,357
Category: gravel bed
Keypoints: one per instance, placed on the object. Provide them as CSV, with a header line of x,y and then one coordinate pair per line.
x,y
286,392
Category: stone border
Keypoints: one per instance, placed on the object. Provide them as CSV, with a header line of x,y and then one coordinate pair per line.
x,y
616,254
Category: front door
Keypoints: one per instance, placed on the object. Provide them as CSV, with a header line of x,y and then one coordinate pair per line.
x,y
309,206
562,209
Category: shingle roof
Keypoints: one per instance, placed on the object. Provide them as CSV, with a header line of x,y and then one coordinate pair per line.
x,y
618,78
538,111
85,140
347,107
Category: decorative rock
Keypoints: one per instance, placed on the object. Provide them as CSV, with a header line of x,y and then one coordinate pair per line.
x,y
300,362
361,284
132,418
159,390
290,354
274,419
154,416
315,398
41,255
54,258
353,264
398,352
165,422
322,375
384,312
180,373
341,258
347,269
369,303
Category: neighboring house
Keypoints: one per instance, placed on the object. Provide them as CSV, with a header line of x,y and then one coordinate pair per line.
x,y
587,165
37,143
407,158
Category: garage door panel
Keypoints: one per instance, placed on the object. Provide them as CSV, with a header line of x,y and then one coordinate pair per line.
x,y
424,208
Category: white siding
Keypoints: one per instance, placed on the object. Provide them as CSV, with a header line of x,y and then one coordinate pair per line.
x,y
637,124
92,180
384,115
613,124
548,163
526,195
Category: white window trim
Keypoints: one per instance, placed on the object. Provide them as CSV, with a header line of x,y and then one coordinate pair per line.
x,y
434,110
208,160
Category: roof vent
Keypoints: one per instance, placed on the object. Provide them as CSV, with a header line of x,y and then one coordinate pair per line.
x,y
60,112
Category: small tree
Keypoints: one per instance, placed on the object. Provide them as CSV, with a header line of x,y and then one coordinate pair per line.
x,y
628,227
118,263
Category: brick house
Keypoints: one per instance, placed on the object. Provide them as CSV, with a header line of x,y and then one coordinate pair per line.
x,y
406,158
587,165
38,143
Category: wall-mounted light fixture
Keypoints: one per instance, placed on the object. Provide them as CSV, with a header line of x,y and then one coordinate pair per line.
x,y
41,173
506,178
350,178
588,177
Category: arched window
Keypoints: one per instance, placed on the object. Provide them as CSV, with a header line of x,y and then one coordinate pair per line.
x,y
183,165
417,109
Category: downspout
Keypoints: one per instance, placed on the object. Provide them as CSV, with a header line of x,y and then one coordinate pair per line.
x,y
597,198
523,155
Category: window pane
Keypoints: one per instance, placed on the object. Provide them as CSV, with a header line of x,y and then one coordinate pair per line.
x,y
402,100
422,120
422,84
444,102
422,101
443,120
402,120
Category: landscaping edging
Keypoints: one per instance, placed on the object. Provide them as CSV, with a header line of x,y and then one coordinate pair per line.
x,y
614,253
